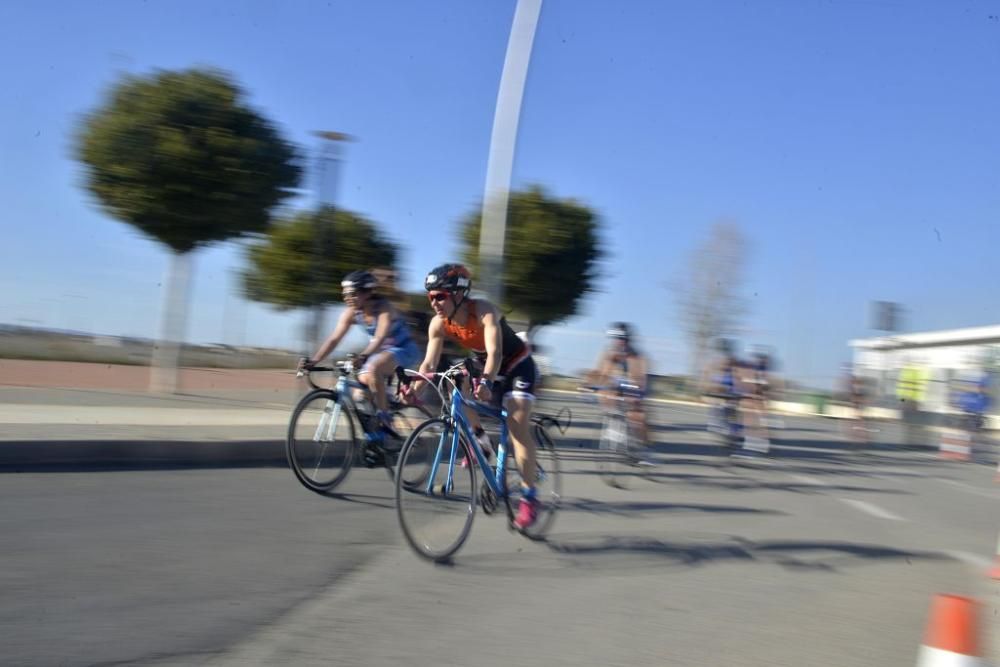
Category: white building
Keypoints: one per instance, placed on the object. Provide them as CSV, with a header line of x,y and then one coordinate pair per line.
x,y
947,355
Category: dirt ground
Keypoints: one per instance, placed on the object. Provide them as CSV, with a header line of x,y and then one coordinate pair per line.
x,y
80,375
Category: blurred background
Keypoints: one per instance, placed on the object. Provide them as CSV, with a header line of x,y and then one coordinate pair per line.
x,y
186,183
193,173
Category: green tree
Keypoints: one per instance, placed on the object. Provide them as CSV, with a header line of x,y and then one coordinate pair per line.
x,y
182,157
301,261
551,254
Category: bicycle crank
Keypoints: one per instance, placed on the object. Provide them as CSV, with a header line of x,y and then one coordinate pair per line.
x,y
487,500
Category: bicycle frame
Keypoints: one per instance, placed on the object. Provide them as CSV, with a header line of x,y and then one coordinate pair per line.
x,y
329,419
457,420
618,410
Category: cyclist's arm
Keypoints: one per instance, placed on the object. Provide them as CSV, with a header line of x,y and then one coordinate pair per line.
x,y
494,345
598,376
382,325
343,325
638,369
707,378
739,380
435,343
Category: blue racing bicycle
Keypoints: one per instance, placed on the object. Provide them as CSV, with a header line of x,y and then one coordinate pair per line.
x,y
436,515
323,444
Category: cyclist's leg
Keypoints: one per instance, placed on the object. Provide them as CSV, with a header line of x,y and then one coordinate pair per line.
x,y
760,415
522,436
637,420
753,427
373,375
477,426
765,409
739,416
606,399
859,423
519,409
519,397
378,369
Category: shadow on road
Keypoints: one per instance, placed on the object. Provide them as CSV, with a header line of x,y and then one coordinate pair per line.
x,y
633,508
802,555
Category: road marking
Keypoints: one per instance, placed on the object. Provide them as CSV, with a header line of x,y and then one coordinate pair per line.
x,y
872,509
929,655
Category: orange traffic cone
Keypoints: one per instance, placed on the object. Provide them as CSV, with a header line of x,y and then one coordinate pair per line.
x,y
952,637
956,445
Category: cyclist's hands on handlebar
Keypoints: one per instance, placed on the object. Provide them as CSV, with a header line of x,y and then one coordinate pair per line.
x,y
482,392
408,395
407,388
304,366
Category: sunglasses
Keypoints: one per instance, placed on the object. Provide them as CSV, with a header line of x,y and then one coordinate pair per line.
x,y
437,296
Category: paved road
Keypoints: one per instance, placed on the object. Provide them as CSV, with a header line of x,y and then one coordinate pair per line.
x,y
815,557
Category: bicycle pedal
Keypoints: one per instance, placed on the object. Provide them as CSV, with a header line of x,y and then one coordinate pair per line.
x,y
373,457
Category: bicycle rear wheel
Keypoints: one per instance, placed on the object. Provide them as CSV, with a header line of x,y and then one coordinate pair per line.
x,y
548,484
320,442
436,514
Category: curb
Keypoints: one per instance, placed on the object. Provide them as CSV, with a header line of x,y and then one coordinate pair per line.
x,y
42,455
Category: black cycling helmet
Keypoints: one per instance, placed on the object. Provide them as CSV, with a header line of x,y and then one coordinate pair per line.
x,y
448,278
620,331
358,281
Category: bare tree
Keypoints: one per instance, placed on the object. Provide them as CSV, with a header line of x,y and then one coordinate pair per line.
x,y
709,299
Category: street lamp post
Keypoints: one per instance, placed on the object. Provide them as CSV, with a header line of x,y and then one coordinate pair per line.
x,y
501,158
327,172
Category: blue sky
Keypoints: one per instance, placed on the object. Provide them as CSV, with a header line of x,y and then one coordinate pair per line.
x,y
857,145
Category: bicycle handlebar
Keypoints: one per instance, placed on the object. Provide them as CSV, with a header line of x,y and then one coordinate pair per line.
x,y
345,366
306,373
623,389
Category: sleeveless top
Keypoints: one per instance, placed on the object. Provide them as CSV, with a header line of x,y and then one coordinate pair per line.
x,y
471,336
399,332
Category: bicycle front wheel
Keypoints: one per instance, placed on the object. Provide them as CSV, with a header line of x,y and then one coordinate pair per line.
x,y
320,442
612,460
435,514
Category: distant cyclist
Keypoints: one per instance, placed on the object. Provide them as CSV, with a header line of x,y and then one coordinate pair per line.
x,y
390,343
724,375
622,367
724,383
856,395
755,378
973,400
